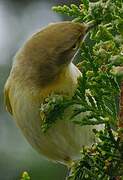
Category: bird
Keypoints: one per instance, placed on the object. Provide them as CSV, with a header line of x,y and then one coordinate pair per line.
x,y
44,65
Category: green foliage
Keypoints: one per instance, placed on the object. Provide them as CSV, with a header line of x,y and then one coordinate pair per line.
x,y
25,176
100,11
103,161
53,106
97,89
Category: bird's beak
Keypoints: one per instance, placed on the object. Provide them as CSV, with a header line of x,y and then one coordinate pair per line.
x,y
90,26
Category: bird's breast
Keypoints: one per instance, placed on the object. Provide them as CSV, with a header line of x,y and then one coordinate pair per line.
x,y
63,141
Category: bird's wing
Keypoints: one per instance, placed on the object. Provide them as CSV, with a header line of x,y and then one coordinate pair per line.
x,y
6,99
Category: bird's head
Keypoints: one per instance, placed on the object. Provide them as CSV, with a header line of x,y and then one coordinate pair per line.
x,y
53,47
58,41
63,40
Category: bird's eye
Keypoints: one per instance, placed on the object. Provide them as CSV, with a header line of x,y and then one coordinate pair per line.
x,y
75,46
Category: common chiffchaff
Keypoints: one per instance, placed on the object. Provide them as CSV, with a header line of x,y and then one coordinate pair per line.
x,y
41,67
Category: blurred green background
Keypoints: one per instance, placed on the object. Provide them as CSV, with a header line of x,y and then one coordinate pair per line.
x,y
18,20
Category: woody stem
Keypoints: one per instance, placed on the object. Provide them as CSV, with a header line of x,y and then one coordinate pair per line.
x,y
121,111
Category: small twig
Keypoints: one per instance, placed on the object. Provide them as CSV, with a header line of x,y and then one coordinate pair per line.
x,y
121,107
121,112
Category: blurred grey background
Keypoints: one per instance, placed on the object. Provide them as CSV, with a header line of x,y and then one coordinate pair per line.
x,y
18,20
